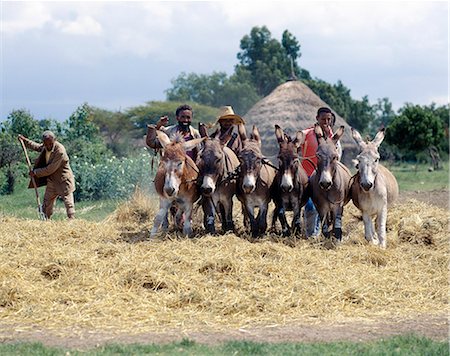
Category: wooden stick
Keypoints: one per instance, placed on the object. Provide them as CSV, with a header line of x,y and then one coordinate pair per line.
x,y
33,181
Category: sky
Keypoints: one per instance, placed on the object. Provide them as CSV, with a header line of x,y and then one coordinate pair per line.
x,y
114,55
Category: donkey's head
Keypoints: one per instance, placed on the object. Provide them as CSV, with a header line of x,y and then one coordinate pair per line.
x,y
250,159
327,156
368,158
288,159
211,166
173,161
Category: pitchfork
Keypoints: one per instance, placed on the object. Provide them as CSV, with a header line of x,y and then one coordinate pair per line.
x,y
41,213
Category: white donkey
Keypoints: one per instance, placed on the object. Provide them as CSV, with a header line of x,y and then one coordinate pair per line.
x,y
373,188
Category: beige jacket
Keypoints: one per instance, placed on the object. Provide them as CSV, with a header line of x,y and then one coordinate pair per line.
x,y
57,170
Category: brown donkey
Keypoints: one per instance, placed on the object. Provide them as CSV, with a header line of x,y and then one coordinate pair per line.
x,y
176,182
290,182
216,181
254,181
373,188
329,184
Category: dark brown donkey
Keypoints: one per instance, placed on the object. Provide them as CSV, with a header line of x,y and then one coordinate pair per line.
x,y
329,184
176,182
290,182
254,181
217,183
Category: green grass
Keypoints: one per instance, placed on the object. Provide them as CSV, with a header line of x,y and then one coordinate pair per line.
x,y
22,204
399,345
417,177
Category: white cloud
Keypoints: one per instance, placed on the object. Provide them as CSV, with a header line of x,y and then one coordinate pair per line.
x,y
17,18
82,25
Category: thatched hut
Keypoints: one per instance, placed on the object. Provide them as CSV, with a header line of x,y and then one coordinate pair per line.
x,y
293,106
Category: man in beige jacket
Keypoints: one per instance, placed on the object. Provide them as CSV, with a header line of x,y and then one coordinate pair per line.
x,y
52,168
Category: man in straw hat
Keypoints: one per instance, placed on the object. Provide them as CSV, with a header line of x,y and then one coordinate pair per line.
x,y
227,131
52,164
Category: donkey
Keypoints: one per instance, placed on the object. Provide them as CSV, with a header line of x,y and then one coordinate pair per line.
x,y
373,188
216,180
175,182
329,184
254,181
290,182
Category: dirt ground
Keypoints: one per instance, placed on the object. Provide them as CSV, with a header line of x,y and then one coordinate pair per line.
x,y
432,326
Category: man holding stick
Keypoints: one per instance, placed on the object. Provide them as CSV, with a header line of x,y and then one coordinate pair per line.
x,y
53,164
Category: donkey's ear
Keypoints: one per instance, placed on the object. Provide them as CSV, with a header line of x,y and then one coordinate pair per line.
x,y
338,134
299,139
255,134
319,133
242,132
379,137
279,134
357,137
202,129
189,145
163,139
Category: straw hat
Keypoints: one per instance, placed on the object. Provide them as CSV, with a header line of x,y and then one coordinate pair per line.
x,y
227,113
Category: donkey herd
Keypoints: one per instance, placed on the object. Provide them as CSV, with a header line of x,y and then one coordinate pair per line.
x,y
219,174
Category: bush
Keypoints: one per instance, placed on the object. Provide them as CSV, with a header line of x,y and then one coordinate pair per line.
x,y
113,178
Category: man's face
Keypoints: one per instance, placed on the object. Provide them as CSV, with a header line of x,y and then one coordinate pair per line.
x,y
325,121
184,117
48,143
226,124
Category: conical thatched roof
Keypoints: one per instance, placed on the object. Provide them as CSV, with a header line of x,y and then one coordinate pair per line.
x,y
293,106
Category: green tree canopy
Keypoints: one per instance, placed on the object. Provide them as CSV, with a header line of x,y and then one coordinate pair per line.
x,y
415,129
268,60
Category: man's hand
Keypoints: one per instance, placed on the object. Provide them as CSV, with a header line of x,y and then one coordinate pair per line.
x,y
163,121
32,174
21,137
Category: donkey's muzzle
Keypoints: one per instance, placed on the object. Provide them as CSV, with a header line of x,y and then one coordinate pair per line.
x,y
325,185
170,191
366,186
206,191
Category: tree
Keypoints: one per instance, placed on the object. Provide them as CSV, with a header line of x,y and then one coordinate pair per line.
x,y
414,130
22,122
215,90
82,136
11,154
267,60
117,129
383,115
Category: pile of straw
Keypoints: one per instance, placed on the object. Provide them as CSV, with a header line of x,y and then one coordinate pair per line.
x,y
111,276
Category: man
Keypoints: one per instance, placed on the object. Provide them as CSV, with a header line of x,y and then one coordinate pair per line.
x,y
184,115
227,131
326,119
53,164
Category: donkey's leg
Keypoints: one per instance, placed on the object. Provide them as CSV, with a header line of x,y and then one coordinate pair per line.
x,y
261,220
208,215
381,226
337,225
249,212
187,227
285,228
297,218
227,217
369,231
161,216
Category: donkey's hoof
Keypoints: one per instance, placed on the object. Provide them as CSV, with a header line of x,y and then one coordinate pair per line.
x,y
338,234
210,229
